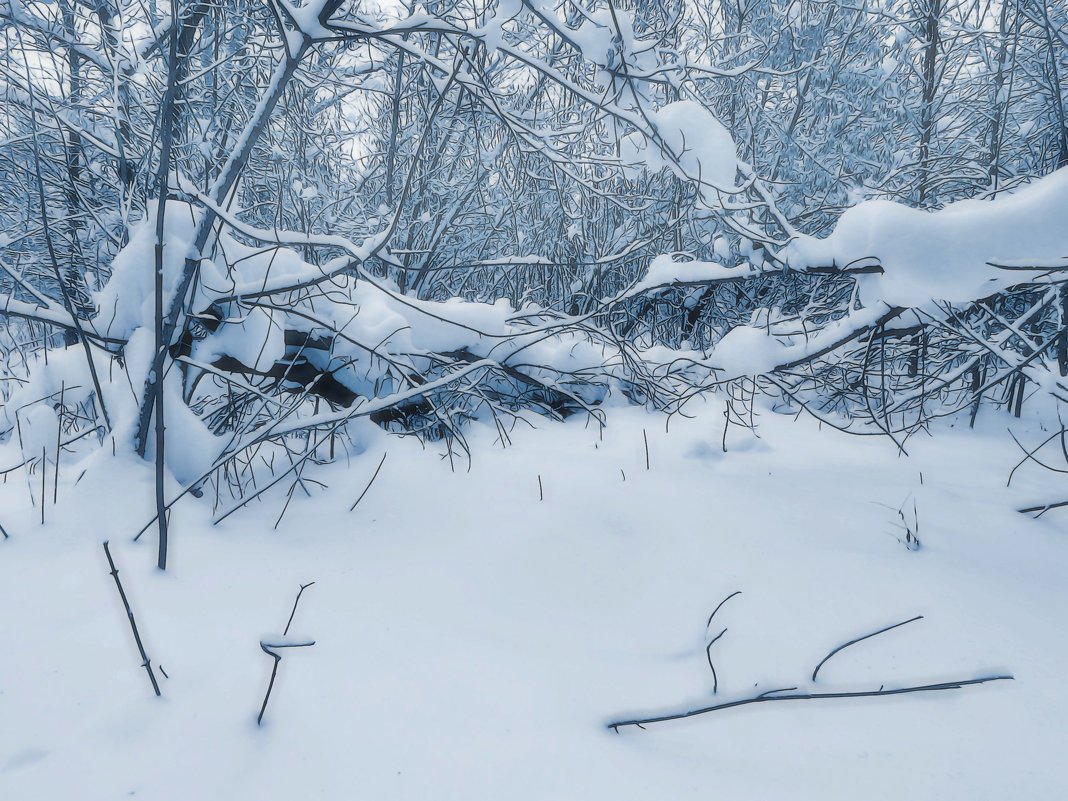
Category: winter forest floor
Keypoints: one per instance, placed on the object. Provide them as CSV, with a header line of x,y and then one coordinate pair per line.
x,y
471,641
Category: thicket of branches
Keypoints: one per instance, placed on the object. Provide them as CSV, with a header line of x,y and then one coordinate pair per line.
x,y
259,221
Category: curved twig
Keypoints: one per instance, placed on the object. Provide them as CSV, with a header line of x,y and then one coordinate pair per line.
x,y
860,639
720,606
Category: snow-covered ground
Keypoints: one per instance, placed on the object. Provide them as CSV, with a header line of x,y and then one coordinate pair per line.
x,y
472,641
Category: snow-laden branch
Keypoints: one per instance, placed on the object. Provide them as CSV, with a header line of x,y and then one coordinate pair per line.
x,y
905,258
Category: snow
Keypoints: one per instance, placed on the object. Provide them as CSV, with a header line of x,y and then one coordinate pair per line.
x,y
746,351
126,301
31,404
38,430
253,340
695,146
197,446
947,255
309,18
471,641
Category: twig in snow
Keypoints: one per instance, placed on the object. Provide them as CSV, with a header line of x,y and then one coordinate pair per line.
x,y
274,671
720,606
369,483
267,647
26,459
146,663
541,490
296,601
59,443
861,639
645,437
2,531
289,498
771,695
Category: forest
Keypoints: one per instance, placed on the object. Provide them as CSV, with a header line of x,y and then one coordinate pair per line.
x,y
516,338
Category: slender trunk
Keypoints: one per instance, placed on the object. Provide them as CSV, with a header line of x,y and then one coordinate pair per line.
x,y
73,276
394,123
156,376
932,41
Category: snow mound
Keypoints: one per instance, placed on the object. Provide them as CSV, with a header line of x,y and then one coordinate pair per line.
x,y
747,350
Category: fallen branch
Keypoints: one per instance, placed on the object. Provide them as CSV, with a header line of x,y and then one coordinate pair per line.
x,y
772,696
146,663
780,694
